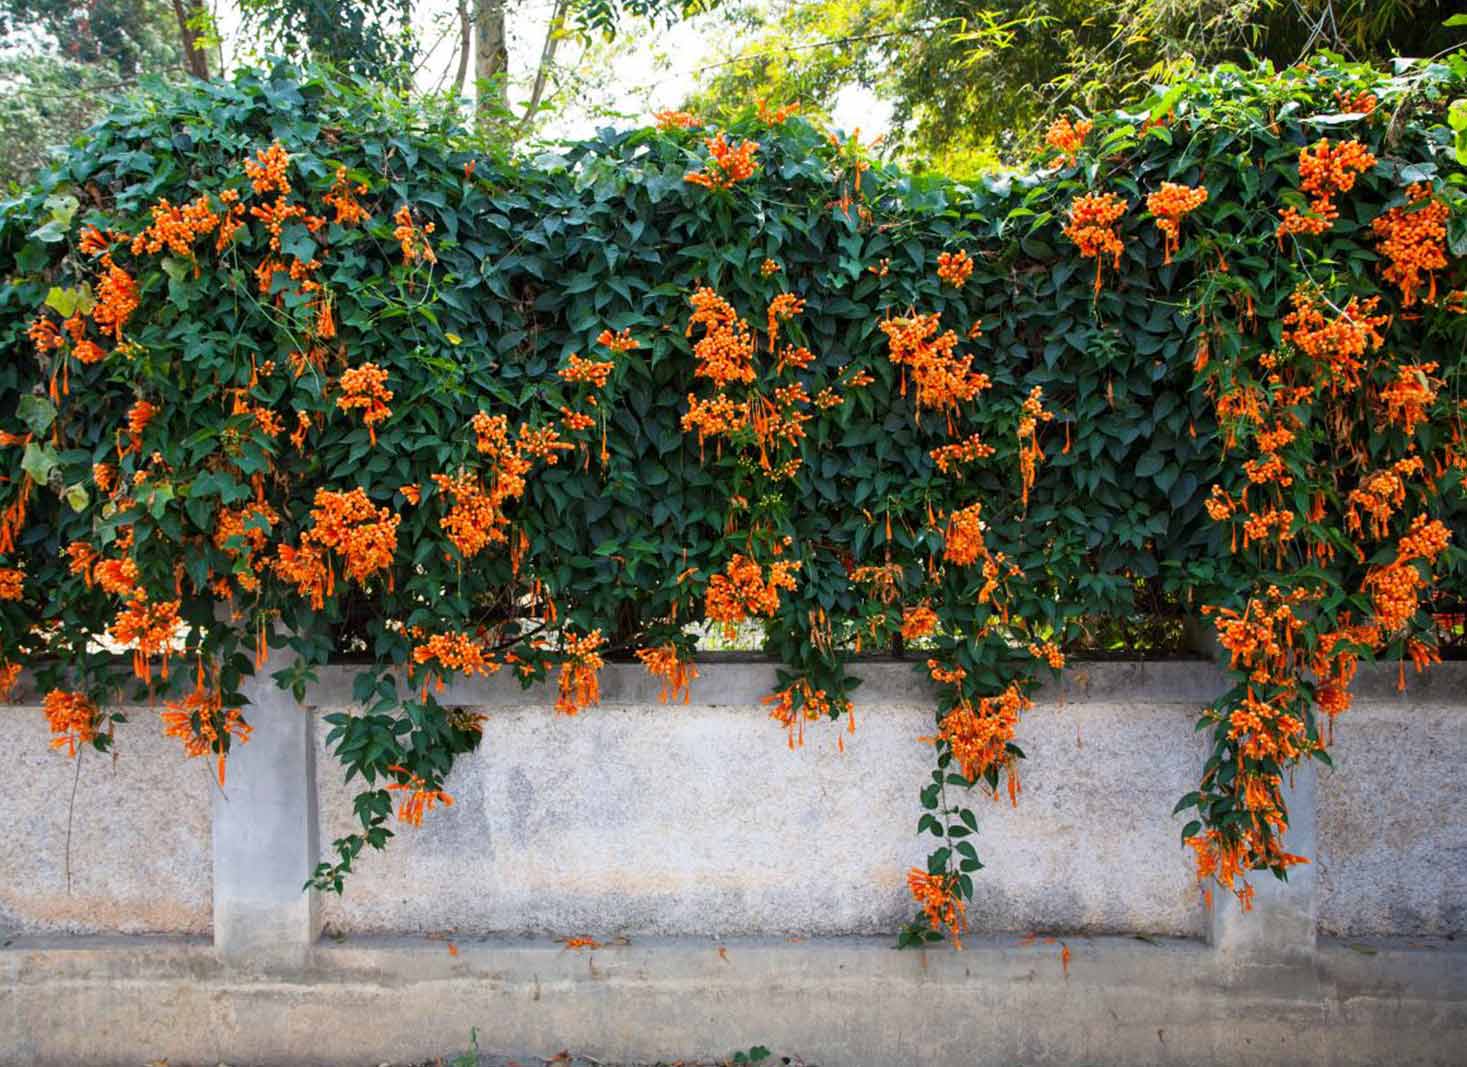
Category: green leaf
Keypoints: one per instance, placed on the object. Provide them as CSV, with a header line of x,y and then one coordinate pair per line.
x,y
37,412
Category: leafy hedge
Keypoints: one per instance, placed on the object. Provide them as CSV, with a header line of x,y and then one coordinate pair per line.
x,y
502,356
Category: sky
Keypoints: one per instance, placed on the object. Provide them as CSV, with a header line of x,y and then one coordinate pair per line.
x,y
647,70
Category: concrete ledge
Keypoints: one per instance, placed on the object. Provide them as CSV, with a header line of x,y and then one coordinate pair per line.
x,y
838,1002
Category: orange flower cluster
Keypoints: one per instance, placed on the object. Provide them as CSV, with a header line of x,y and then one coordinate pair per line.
x,y
204,725
72,717
963,540
617,342
676,120
677,674
147,628
1361,103
579,686
1031,415
12,582
267,170
344,523
726,164
117,299
742,591
456,651
955,268
1338,345
943,378
343,200
1409,394
1067,137
250,525
592,372
1395,589
1050,653
1228,861
418,799
365,387
1168,205
783,307
814,704
918,622
777,116
937,896
1413,239
411,238
769,268
176,228
725,352
1092,226
978,737
1325,172
473,520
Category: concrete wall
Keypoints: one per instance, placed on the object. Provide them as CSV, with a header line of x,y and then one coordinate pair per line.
x,y
750,892
139,828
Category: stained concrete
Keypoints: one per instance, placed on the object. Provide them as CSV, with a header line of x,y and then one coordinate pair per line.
x,y
139,828
647,819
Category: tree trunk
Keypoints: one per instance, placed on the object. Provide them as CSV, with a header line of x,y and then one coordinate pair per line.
x,y
491,62
197,60
465,47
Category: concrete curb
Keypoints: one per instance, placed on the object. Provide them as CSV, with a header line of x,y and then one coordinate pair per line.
x,y
841,1002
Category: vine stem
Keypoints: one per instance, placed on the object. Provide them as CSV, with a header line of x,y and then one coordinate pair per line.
x,y
71,815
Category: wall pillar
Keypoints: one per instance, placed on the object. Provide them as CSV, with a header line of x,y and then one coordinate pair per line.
x,y
1281,927
265,832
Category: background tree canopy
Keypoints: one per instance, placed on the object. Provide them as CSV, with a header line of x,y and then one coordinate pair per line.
x,y
972,83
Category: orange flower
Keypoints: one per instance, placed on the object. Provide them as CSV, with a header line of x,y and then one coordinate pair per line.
x,y
964,537
176,228
973,448
727,164
777,116
742,590
1409,394
12,581
1067,137
457,652
204,725
592,372
1337,346
1092,227
725,353
676,120
411,238
955,268
346,523
769,268
1168,205
978,737
117,299
267,170
918,622
1413,239
677,674
72,717
936,895
343,199
419,799
148,629
1324,172
138,418
365,387
578,679
783,307
617,342
943,378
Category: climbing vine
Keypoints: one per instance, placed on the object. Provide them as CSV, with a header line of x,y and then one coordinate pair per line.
x,y
296,366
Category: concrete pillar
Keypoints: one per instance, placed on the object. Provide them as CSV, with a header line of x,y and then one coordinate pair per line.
x,y
1282,926
265,833
1280,929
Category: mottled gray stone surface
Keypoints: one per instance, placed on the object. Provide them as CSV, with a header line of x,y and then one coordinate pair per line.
x,y
140,857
